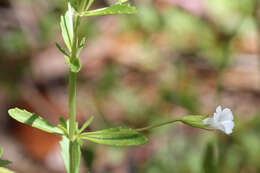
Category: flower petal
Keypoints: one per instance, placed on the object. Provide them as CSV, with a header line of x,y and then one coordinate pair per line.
x,y
219,109
226,115
228,126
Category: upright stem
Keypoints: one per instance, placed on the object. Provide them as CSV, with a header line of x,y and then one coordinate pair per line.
x,y
72,83
72,99
72,104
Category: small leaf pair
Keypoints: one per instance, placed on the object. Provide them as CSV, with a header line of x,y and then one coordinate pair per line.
x,y
113,136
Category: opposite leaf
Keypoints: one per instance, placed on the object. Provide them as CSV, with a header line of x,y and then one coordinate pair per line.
x,y
115,137
113,9
73,148
66,25
33,120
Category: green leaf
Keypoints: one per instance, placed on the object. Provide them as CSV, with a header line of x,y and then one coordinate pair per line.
x,y
64,143
4,162
86,124
5,170
66,25
63,122
75,65
62,50
90,2
81,45
1,152
67,148
33,120
115,137
113,9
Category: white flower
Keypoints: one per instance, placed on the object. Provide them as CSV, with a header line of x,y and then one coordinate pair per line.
x,y
222,120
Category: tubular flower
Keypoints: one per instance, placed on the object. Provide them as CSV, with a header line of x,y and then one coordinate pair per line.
x,y
222,120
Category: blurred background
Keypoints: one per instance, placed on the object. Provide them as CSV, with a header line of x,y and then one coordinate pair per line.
x,y
173,58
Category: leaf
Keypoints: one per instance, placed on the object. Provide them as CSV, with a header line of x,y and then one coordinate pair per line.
x,y
115,137
75,65
113,9
66,25
81,45
90,2
33,120
1,152
67,148
62,50
86,124
63,122
5,170
64,143
4,162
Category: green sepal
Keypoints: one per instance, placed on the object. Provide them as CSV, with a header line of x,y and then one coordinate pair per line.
x,y
194,121
33,120
68,147
86,124
113,9
74,65
115,137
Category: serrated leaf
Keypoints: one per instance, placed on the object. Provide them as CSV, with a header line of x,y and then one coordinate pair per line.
x,y
4,162
5,170
86,124
62,50
1,152
33,120
67,148
75,65
113,9
66,25
115,137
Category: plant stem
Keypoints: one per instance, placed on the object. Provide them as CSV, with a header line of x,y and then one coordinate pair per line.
x,y
72,83
72,98
72,104
157,125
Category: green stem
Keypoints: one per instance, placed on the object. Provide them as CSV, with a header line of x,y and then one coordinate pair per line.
x,y
72,98
72,104
72,83
157,125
